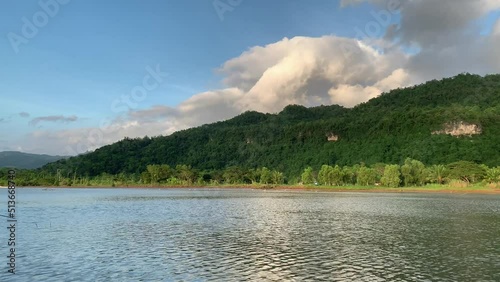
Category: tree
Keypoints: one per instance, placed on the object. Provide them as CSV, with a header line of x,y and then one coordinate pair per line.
x,y
336,176
323,175
254,175
379,170
366,176
437,173
349,174
493,175
122,178
164,172
391,177
307,176
413,172
233,175
185,173
466,171
154,173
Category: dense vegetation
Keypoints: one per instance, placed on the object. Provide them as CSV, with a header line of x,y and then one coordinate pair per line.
x,y
385,130
25,160
412,173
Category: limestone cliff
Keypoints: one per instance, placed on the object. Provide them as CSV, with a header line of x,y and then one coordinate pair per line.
x,y
460,128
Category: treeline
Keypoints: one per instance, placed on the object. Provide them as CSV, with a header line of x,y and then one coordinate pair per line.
x,y
411,173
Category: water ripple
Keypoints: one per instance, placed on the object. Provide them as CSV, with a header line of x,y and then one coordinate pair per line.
x,y
231,235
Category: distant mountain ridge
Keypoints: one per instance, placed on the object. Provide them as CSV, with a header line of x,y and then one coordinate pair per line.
x,y
423,122
14,159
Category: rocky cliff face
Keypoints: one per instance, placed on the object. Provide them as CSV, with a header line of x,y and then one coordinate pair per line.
x,y
460,128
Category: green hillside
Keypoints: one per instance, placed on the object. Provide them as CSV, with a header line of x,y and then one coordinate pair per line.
x,y
387,129
14,159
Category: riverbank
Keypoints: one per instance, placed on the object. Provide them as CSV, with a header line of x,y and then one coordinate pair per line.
x,y
367,189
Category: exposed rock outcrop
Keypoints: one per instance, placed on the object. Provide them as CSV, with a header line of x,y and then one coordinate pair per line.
x,y
460,128
332,137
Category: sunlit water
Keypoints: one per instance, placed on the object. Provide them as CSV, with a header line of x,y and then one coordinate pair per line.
x,y
247,235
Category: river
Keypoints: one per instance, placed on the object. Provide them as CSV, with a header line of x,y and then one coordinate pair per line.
x,y
251,235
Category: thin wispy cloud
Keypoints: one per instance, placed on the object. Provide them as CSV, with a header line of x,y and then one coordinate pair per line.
x,y
61,118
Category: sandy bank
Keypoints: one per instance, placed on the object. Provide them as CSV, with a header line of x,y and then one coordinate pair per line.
x,y
288,188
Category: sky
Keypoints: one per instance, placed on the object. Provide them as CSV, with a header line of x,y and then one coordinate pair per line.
x,y
79,74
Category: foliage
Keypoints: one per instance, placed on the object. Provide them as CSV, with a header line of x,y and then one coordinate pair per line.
x,y
493,175
466,171
277,177
307,176
460,174
233,175
437,173
391,176
413,172
331,176
323,175
265,176
366,176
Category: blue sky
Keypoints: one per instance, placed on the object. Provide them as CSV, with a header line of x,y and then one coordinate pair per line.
x,y
92,52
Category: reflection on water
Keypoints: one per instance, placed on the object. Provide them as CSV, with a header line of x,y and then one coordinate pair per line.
x,y
234,235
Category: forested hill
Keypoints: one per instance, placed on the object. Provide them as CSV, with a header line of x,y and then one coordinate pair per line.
x,y
438,122
13,159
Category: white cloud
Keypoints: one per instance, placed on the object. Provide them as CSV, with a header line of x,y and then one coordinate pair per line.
x,y
355,94
306,69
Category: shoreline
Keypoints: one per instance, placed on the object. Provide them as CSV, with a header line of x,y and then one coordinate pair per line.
x,y
292,188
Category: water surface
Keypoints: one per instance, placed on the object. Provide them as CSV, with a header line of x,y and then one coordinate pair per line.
x,y
247,235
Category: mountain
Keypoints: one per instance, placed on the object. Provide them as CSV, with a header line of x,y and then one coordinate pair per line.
x,y
439,122
21,160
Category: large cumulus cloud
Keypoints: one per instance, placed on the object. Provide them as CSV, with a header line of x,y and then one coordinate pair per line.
x,y
304,70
